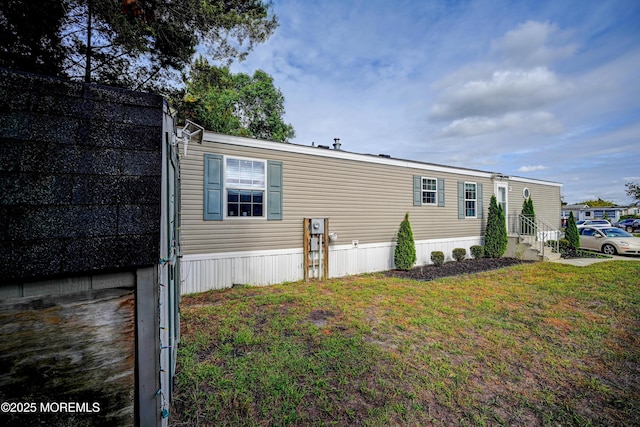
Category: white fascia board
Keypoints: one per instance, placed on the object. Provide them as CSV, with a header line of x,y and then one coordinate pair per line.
x,y
212,137
288,147
534,181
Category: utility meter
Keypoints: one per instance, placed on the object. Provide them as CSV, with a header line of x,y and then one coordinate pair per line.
x,y
317,225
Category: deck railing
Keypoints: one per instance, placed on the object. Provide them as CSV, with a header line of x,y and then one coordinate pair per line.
x,y
541,235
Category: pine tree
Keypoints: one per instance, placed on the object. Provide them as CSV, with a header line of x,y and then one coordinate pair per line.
x,y
405,252
571,232
495,237
504,235
530,217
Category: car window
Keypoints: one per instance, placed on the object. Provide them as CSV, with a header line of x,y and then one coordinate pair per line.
x,y
587,232
615,232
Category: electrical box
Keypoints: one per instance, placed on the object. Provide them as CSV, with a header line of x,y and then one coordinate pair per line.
x,y
315,244
317,225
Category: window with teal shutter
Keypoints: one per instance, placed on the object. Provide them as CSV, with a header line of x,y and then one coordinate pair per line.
x,y
213,187
428,191
469,200
242,184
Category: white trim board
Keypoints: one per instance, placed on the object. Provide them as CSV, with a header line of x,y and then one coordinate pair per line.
x,y
212,137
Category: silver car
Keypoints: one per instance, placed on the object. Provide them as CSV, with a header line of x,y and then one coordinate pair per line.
x,y
593,223
609,240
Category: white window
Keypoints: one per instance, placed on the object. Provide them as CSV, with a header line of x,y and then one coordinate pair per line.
x,y
429,191
245,187
470,199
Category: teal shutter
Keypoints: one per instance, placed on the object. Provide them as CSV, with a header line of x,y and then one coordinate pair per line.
x,y
274,190
417,190
440,191
479,204
461,213
213,187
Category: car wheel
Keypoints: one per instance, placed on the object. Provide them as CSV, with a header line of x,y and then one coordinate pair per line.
x,y
630,229
609,249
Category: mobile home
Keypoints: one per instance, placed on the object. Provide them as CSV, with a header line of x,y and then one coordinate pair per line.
x,y
245,202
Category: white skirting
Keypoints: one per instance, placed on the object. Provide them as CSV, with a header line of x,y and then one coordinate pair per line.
x,y
203,272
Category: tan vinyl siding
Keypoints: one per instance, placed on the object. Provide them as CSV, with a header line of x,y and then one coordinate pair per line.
x,y
364,201
546,200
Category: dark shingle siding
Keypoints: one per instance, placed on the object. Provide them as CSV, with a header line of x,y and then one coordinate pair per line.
x,y
80,169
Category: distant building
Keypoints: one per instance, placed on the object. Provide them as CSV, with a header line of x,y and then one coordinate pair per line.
x,y
585,212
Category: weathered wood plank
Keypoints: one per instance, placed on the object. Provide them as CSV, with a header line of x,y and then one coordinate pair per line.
x,y
77,347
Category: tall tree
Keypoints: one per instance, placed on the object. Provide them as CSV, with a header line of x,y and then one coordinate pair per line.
x,y
143,44
633,190
235,104
597,203
495,237
30,36
571,233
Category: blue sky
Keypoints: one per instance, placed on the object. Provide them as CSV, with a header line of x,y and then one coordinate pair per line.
x,y
542,89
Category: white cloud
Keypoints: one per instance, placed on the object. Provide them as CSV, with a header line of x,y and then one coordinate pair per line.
x,y
532,168
506,91
531,44
531,123
504,87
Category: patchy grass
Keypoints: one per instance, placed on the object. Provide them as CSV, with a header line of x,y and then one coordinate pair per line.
x,y
537,344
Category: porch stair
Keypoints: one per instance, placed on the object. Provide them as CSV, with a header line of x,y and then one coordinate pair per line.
x,y
533,239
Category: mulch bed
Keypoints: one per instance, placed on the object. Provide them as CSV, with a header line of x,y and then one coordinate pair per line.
x,y
455,268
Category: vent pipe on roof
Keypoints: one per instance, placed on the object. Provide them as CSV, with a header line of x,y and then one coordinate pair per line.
x,y
336,143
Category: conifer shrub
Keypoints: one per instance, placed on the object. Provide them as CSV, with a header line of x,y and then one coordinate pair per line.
x,y
571,233
437,258
459,254
495,236
565,248
528,212
477,251
404,255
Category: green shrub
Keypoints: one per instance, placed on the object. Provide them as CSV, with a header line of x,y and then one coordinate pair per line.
x,y
404,255
528,227
571,233
459,254
495,235
437,258
477,251
565,248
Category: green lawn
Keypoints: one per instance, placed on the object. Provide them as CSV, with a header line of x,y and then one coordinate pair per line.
x,y
536,344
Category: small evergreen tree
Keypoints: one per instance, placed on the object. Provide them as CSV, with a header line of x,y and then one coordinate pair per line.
x,y
459,254
404,255
532,211
571,233
530,215
495,237
477,251
437,257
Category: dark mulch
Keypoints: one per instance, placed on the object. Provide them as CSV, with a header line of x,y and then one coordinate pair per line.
x,y
455,268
